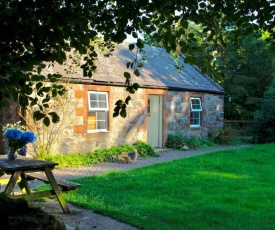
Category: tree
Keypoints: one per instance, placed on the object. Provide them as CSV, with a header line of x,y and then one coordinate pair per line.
x,y
35,32
264,120
248,71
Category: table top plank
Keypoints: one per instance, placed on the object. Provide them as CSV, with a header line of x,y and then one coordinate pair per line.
x,y
24,163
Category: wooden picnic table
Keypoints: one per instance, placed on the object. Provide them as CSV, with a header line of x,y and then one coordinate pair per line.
x,y
24,169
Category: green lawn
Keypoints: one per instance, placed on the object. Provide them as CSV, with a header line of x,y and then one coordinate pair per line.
x,y
232,189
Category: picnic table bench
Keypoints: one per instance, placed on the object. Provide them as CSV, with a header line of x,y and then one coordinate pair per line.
x,y
24,169
64,184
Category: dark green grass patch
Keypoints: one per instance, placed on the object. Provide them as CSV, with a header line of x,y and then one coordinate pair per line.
x,y
232,189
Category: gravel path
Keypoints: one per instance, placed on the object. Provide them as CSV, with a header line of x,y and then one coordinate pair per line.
x,y
166,155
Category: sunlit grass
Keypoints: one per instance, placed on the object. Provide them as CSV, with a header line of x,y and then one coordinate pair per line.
x,y
232,189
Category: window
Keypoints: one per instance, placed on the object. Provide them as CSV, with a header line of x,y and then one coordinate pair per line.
x,y
149,107
195,112
221,115
98,111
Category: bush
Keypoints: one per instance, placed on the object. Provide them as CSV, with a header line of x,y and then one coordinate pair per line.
x,y
264,119
175,141
198,142
223,136
145,149
98,156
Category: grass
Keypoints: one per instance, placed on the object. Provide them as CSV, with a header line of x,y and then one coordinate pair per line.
x,y
232,189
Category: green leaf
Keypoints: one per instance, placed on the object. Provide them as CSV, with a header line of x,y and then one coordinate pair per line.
x,y
46,99
187,60
191,35
137,73
131,46
172,39
123,112
140,64
23,101
46,121
38,85
37,77
46,89
127,100
53,79
28,90
33,101
116,111
128,64
55,117
54,92
135,35
184,24
127,75
202,5
37,115
136,86
140,44
203,70
130,89
119,103
127,81
184,49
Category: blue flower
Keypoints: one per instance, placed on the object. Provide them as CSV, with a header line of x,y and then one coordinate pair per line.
x,y
23,151
27,137
13,134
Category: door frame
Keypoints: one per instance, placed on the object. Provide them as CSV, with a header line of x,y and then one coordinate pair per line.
x,y
159,127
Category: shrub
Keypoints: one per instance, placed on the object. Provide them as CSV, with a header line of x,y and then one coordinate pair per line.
x,y
175,141
145,149
223,136
198,142
264,119
98,156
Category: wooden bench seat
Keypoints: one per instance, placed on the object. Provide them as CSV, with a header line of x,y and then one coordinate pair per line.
x,y
65,185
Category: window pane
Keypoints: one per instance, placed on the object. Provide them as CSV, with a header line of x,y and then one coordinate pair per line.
x,y
101,115
101,125
148,108
195,118
93,96
98,111
102,104
101,120
93,104
102,97
195,104
98,100
195,115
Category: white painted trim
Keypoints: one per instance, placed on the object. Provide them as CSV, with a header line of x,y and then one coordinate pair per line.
x,y
99,110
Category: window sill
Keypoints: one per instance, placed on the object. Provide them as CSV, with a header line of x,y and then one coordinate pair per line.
x,y
97,131
195,127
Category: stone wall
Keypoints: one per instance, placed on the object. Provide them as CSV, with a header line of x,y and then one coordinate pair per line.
x,y
178,113
71,132
76,139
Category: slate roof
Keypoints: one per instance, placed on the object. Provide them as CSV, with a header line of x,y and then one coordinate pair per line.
x,y
158,71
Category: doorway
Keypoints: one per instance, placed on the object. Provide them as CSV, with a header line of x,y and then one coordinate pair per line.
x,y
154,113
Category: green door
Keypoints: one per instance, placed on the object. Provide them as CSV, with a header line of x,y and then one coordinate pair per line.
x,y
154,131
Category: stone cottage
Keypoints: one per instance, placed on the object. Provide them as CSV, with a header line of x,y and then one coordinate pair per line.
x,y
168,101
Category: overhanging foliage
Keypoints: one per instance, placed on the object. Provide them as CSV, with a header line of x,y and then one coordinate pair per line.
x,y
33,32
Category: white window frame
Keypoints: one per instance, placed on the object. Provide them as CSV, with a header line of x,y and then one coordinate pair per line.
x,y
105,109
195,110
